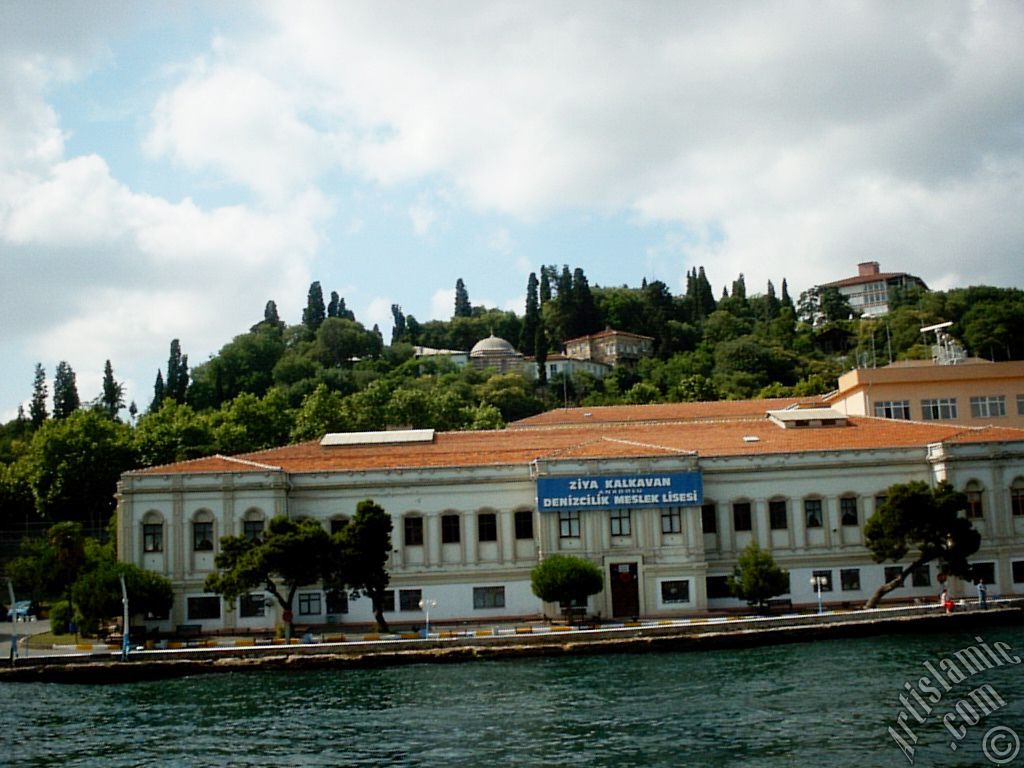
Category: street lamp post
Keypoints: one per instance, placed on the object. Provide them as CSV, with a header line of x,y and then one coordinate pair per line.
x,y
818,582
425,606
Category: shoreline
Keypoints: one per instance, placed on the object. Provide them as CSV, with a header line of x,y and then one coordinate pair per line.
x,y
696,636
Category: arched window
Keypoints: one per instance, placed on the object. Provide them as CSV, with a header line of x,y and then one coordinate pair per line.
x,y
202,531
338,523
1017,497
848,509
975,493
412,530
253,523
814,512
778,514
152,532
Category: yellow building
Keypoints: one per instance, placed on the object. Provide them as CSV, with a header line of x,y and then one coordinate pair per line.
x,y
974,392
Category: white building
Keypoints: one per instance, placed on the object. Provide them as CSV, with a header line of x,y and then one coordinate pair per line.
x,y
662,497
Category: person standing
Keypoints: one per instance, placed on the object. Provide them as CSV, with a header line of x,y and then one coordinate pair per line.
x,y
982,594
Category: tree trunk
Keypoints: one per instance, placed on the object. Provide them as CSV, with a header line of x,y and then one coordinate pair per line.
x,y
889,586
378,613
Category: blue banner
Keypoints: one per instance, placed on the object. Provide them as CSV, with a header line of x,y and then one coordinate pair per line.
x,y
671,489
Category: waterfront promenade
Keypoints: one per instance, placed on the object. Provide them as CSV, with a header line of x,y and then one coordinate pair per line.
x,y
103,664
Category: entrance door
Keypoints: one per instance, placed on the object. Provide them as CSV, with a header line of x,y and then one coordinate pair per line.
x,y
625,590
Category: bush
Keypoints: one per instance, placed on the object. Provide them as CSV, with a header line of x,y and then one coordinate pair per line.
x,y
60,617
566,580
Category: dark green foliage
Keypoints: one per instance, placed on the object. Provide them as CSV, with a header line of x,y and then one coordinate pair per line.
x,y
37,408
462,306
112,399
315,312
926,522
531,318
366,546
65,392
757,578
175,386
244,365
566,580
290,554
159,392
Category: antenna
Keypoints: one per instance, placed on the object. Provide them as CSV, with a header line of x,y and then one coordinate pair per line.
x,y
946,350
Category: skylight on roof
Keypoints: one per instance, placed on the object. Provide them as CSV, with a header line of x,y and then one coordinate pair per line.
x,y
389,437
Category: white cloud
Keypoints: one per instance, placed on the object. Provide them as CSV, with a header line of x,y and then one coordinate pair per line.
x,y
423,216
442,304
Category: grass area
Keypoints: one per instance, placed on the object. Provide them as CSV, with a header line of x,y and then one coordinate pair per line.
x,y
49,639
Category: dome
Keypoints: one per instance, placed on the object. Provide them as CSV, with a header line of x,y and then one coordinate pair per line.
x,y
492,346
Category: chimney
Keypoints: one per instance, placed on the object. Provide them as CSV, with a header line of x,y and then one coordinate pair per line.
x,y
866,268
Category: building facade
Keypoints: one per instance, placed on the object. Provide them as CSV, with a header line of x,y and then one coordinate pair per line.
x,y
868,291
663,498
974,392
610,347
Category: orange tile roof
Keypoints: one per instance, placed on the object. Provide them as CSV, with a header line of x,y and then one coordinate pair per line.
x,y
707,438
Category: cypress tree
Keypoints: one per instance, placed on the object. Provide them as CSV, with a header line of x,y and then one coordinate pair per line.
x,y
159,392
541,353
528,341
786,300
332,308
705,296
398,329
65,391
176,384
544,289
37,407
462,306
315,312
112,398
584,318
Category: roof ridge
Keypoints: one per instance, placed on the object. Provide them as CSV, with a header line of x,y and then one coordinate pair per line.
x,y
246,462
638,444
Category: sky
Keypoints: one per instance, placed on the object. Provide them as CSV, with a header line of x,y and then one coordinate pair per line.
x,y
167,168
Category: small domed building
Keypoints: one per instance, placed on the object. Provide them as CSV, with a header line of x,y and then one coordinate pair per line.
x,y
496,353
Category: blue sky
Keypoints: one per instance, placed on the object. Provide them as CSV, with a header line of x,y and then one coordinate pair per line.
x,y
165,169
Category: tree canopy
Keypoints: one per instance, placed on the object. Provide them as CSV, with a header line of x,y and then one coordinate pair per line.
x,y
757,577
566,580
925,522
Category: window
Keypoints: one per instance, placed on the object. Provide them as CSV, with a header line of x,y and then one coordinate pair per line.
x,y
202,536
988,406
487,527
252,530
1017,497
973,491
675,591
1018,572
709,518
848,510
387,601
569,524
718,587
741,516
942,408
984,572
621,522
450,531
413,531
1020,405
812,511
849,579
251,605
338,524
880,499
671,520
524,524
337,602
892,572
921,577
893,409
488,597
824,579
153,537
777,515
309,604
409,599
201,608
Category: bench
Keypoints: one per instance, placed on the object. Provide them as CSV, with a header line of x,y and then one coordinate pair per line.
x,y
189,630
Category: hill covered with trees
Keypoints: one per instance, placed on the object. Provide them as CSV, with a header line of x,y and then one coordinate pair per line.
x,y
277,382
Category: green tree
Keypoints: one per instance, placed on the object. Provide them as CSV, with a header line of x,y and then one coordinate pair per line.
x,y
366,546
757,577
174,432
290,554
97,591
176,384
73,467
37,408
159,392
112,399
322,411
462,306
528,340
566,580
926,522
315,312
65,391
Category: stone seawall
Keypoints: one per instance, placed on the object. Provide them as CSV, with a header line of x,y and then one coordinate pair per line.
x,y
695,636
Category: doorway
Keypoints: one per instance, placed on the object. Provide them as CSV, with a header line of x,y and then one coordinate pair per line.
x,y
625,590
